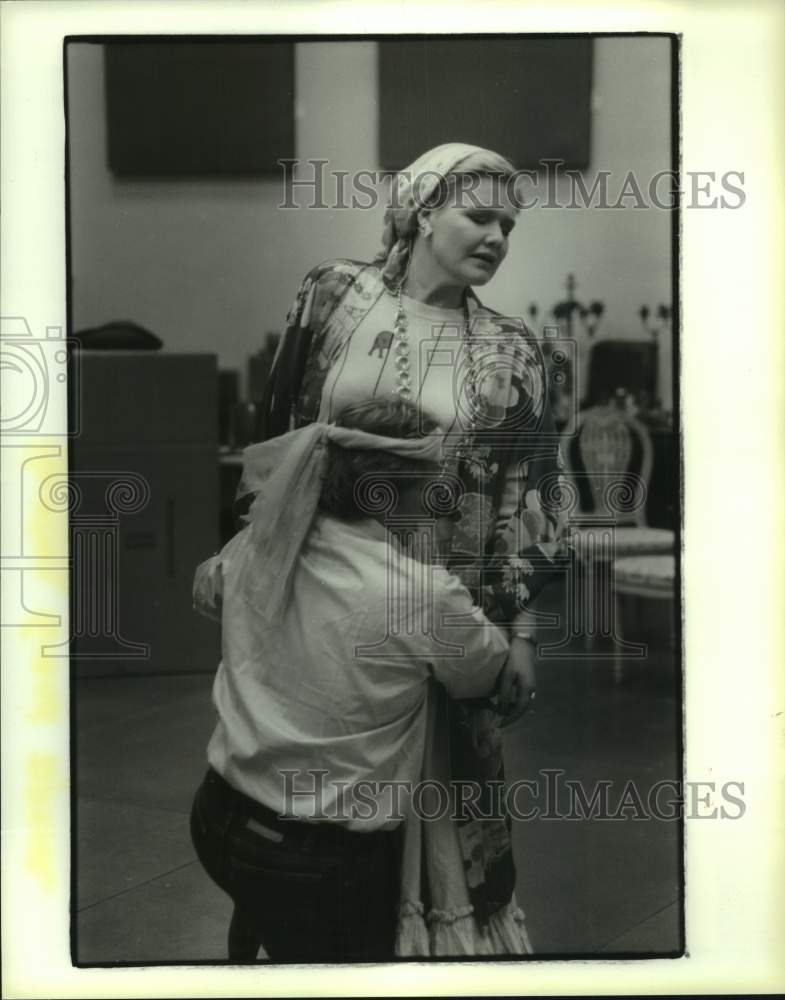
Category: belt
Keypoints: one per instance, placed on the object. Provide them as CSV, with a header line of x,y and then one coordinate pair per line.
x,y
267,822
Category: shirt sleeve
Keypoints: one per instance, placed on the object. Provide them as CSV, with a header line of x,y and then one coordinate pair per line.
x,y
469,650
208,588
208,585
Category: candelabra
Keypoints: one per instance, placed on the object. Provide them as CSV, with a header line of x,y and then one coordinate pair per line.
x,y
565,392
662,320
568,308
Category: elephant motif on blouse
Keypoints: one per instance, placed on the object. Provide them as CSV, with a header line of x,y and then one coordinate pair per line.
x,y
382,342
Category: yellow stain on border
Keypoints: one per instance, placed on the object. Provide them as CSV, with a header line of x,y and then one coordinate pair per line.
x,y
42,519
41,789
45,528
49,705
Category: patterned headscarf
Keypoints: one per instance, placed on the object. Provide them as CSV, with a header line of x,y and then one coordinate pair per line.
x,y
414,186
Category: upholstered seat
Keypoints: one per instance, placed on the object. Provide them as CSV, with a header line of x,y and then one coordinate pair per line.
x,y
642,576
645,576
627,540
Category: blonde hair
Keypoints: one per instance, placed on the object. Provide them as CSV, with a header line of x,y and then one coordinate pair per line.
x,y
426,183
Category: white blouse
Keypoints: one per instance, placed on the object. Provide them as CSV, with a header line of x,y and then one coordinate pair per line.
x,y
366,367
437,355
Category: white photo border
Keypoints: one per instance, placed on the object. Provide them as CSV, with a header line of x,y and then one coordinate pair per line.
x,y
732,388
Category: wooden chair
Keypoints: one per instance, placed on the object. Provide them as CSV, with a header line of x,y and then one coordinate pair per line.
x,y
609,463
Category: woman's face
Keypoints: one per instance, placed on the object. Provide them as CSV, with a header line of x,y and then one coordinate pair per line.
x,y
470,232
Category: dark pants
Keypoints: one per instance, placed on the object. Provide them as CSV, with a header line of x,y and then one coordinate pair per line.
x,y
306,892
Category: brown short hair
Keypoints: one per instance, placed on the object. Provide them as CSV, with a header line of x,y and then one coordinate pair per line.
x,y
388,416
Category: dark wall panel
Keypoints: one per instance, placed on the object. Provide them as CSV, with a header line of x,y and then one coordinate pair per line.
x,y
528,98
190,108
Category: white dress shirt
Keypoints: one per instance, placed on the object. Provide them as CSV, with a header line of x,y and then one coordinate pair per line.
x,y
339,684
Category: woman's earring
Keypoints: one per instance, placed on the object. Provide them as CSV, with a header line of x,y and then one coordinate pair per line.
x,y
425,228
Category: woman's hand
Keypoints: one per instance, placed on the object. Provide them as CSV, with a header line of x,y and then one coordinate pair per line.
x,y
517,680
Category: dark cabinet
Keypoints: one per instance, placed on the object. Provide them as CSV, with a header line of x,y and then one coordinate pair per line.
x,y
145,512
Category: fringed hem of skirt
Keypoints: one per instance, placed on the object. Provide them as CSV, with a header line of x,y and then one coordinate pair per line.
x,y
456,932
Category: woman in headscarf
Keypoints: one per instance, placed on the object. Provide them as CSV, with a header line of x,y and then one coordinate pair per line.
x,y
410,324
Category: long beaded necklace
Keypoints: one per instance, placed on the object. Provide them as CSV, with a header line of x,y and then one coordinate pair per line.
x,y
404,380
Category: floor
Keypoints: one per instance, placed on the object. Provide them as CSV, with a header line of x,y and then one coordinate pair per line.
x,y
588,886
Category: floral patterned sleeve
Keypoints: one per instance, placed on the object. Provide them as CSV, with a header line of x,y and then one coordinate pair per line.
x,y
293,391
288,366
530,546
291,396
284,382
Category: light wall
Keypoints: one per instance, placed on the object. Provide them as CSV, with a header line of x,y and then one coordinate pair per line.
x,y
210,265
